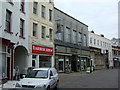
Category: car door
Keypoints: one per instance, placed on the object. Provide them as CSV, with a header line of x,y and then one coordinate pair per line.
x,y
52,79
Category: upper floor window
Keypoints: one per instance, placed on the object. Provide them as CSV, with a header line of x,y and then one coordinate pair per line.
x,y
50,15
10,1
43,11
35,6
43,32
22,6
22,28
35,29
94,41
60,36
98,42
50,1
90,40
67,34
101,43
74,36
8,21
51,34
79,37
85,40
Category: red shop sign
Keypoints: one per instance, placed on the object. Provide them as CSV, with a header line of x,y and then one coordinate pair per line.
x,y
42,50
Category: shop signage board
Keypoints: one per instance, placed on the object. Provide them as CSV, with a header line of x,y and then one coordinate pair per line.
x,y
42,50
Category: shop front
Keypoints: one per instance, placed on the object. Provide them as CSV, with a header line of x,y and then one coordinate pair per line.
x,y
6,59
42,56
116,62
71,59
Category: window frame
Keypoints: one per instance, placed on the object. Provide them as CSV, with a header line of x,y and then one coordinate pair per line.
x,y
35,27
43,14
50,15
22,22
22,6
43,32
35,8
8,21
51,34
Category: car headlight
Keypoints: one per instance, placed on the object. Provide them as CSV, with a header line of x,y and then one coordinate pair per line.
x,y
17,85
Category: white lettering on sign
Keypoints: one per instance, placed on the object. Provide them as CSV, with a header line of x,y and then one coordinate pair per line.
x,y
42,49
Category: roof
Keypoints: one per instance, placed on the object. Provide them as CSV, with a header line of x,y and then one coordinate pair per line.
x,y
70,16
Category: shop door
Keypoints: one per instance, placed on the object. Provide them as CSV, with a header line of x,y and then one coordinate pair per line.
x,y
61,65
8,67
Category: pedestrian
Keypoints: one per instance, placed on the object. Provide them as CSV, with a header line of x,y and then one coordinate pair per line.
x,y
17,74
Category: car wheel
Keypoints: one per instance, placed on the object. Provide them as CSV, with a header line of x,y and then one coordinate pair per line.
x,y
48,88
57,84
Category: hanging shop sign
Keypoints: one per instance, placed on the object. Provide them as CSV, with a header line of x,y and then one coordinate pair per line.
x,y
42,50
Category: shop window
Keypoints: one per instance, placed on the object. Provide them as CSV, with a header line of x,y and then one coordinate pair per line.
x,y
34,56
33,63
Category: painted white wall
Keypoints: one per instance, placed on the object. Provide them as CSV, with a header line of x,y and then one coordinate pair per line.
x,y
105,47
15,28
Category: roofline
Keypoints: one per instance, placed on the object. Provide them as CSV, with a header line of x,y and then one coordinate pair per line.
x,y
70,16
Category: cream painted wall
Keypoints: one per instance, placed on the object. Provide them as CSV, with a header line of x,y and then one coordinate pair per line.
x,y
107,47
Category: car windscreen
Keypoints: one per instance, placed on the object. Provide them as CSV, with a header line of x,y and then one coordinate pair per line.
x,y
37,74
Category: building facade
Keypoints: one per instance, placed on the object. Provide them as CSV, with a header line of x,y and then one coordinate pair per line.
x,y
14,37
100,51
71,43
41,34
116,51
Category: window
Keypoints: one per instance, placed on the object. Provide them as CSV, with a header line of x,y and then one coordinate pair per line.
x,y
35,6
98,42
94,41
79,37
34,29
50,15
43,32
33,63
67,34
43,11
22,6
85,40
60,36
8,21
11,2
50,1
21,28
50,33
74,36
90,40
101,43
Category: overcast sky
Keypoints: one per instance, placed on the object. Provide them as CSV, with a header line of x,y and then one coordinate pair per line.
x,y
100,15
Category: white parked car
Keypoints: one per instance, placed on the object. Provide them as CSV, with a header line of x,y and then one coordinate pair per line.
x,y
44,78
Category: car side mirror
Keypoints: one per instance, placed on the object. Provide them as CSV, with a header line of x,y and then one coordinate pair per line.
x,y
23,76
51,77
